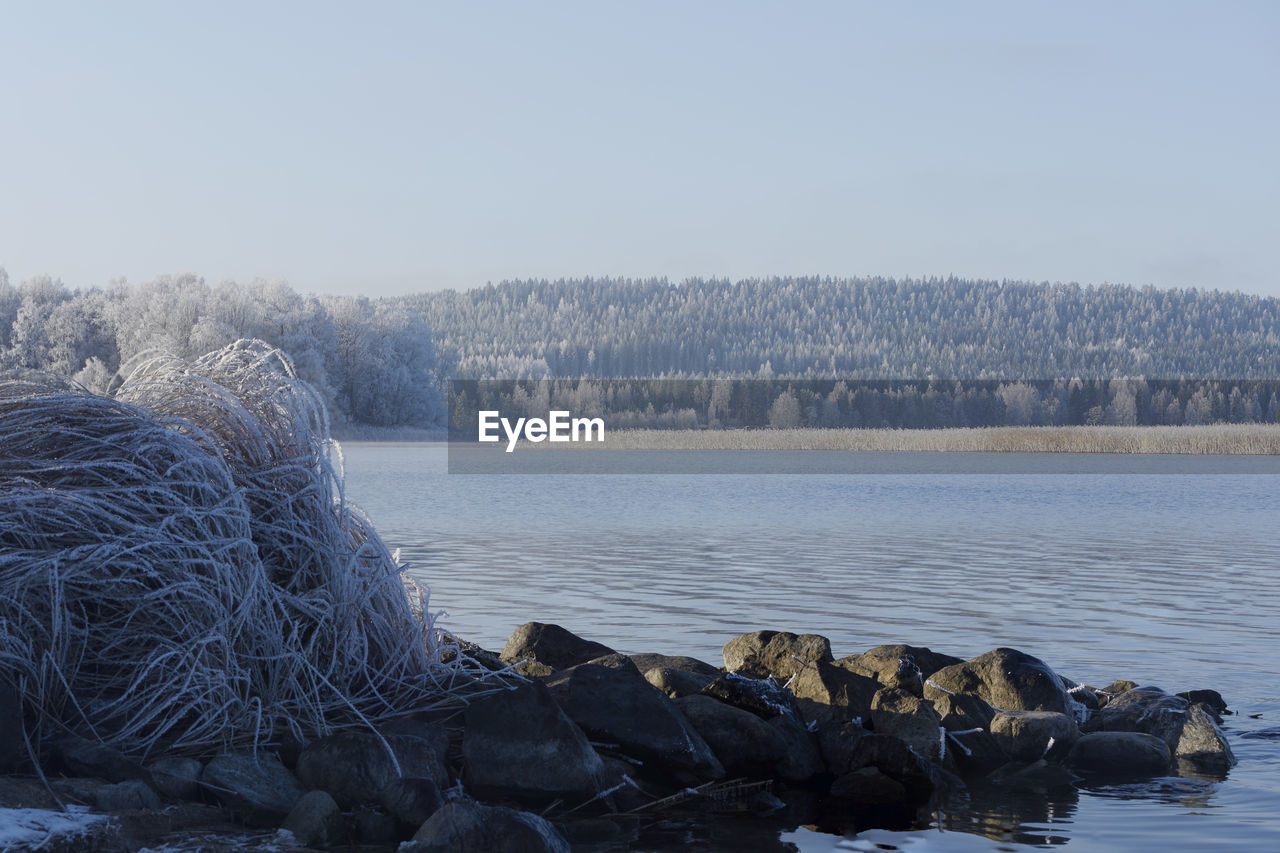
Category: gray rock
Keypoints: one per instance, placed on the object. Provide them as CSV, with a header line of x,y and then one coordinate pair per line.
x,y
411,800
79,756
551,645
1211,699
897,712
176,777
316,820
780,654
469,827
375,827
1006,679
1027,736
868,786
677,682
1119,755
1146,709
826,693
619,706
1037,776
745,744
974,752
259,787
961,711
352,767
420,757
892,757
837,744
647,661
519,743
1202,747
802,758
763,697
126,796
899,665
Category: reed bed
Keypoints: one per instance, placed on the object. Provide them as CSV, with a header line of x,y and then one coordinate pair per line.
x,y
179,567
1220,439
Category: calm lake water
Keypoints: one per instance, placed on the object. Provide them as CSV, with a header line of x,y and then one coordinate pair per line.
x,y
1169,579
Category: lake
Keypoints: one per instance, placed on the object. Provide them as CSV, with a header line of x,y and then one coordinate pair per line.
x,y
1171,579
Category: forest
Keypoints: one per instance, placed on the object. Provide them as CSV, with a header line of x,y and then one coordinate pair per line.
x,y
871,352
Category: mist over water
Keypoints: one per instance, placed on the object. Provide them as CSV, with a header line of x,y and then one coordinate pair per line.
x,y
1165,579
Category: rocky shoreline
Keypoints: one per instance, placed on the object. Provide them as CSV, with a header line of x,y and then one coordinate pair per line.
x,y
571,745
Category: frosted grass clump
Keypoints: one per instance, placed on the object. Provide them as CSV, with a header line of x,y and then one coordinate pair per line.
x,y
179,568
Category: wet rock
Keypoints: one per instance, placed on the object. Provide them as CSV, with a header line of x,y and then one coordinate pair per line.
x,y
316,820
780,654
519,743
869,786
892,757
802,758
352,767
1193,738
1202,747
619,706
258,787
126,796
1119,755
176,777
1027,736
411,800
677,682
826,693
745,744
469,827
837,745
897,712
647,661
763,697
78,756
1006,679
1037,776
550,645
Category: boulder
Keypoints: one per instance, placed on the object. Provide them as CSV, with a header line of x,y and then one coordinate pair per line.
x,y
1193,737
837,745
258,787
353,767
420,757
1006,679
1211,699
780,654
974,751
411,801
469,827
897,712
962,711
647,661
802,758
176,777
126,796
868,786
78,756
551,645
375,827
745,744
519,743
619,706
763,697
892,757
316,820
1027,736
1202,747
677,682
826,693
898,665
1119,755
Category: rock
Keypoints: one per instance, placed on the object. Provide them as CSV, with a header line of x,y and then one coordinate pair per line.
x,y
519,743
614,660
868,786
373,827
1027,736
626,796
826,693
1039,775
315,820
353,767
802,758
411,800
1212,699
961,711
647,661
1006,679
1119,755
1202,747
485,658
79,756
745,744
534,669
837,745
126,796
892,757
176,777
677,682
761,654
899,666
259,788
550,645
1115,688
420,757
619,706
895,711
763,697
974,752
469,827
13,745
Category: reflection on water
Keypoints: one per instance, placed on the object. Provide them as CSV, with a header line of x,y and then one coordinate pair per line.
x,y
1162,579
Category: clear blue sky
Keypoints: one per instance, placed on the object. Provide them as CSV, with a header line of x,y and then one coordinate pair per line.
x,y
395,147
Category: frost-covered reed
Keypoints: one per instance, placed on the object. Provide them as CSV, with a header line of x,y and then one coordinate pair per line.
x,y
179,568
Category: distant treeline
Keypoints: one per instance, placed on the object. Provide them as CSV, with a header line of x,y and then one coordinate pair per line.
x,y
782,404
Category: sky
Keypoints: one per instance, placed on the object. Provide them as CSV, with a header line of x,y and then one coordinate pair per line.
x,y
387,148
